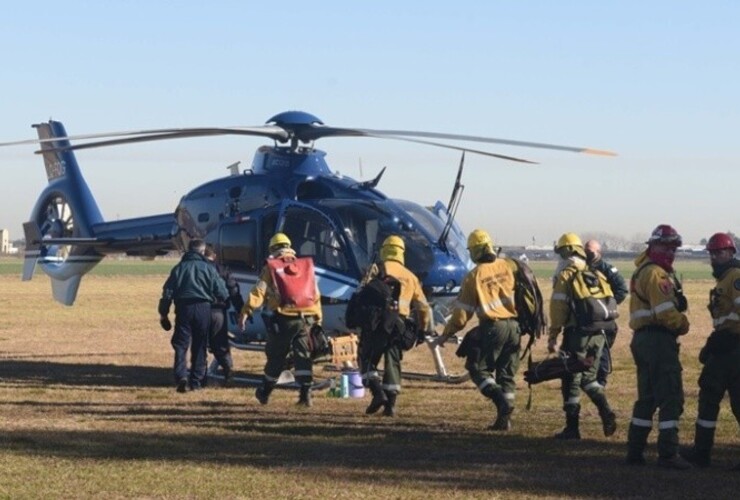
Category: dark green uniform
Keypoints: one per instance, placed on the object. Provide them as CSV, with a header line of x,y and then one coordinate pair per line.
x,y
581,343
287,329
721,359
487,292
657,323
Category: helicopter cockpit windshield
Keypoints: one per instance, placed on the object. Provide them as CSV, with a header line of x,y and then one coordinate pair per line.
x,y
434,225
365,224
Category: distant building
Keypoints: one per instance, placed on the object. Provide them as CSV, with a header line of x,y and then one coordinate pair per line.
x,y
5,245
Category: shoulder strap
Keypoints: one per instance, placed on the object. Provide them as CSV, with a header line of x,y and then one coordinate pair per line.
x,y
382,273
634,279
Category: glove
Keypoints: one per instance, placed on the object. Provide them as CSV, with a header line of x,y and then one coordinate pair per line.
x,y
421,336
552,345
440,341
164,321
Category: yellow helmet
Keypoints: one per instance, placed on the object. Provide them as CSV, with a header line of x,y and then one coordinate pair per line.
x,y
569,240
479,245
393,249
394,241
279,239
479,237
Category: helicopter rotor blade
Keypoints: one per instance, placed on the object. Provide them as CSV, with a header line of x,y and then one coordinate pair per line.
x,y
458,148
489,140
317,132
304,128
273,132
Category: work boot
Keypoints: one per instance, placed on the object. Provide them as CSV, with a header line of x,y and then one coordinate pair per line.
x,y
571,430
674,462
304,398
608,418
379,397
700,454
263,392
634,458
503,408
695,457
390,406
182,385
636,442
227,376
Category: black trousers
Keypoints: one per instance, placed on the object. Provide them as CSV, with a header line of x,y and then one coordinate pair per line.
x,y
218,341
192,324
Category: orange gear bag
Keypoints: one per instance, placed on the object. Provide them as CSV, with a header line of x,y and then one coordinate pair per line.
x,y
295,281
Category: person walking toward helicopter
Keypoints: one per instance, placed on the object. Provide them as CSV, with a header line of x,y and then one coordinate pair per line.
x,y
487,291
583,309
384,326
218,340
193,285
287,287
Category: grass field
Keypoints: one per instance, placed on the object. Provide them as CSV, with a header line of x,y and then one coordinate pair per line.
x,y
89,410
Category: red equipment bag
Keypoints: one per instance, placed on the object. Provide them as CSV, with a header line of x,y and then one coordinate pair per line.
x,y
295,281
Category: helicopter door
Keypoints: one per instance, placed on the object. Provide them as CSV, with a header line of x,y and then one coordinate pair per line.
x,y
239,245
314,234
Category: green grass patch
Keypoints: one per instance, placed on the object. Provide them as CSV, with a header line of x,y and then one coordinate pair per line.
x,y
686,269
107,267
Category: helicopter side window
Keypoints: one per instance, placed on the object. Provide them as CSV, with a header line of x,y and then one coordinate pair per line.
x,y
312,236
239,246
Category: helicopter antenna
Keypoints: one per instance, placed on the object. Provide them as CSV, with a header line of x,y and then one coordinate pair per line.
x,y
372,182
453,204
360,162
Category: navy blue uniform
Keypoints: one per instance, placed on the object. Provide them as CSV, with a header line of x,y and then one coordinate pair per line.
x,y
620,290
218,342
193,285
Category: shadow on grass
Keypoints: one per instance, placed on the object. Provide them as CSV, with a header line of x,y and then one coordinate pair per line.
x,y
47,372
334,438
433,461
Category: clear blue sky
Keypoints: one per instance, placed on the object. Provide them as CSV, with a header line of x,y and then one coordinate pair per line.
x,y
655,81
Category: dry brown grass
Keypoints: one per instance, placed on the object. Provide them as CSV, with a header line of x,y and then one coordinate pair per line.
x,y
89,410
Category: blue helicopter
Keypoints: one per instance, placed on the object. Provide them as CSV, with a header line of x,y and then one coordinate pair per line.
x,y
337,220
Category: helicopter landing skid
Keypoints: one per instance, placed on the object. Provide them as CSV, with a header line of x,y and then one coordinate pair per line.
x,y
285,381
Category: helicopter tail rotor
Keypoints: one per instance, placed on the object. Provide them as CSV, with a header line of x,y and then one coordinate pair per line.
x,y
62,220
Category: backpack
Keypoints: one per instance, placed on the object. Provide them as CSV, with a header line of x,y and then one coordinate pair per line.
x,y
295,281
530,306
374,307
593,305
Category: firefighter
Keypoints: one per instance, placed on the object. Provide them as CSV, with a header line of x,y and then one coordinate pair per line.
x,y
721,354
487,292
374,345
657,317
287,324
578,341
